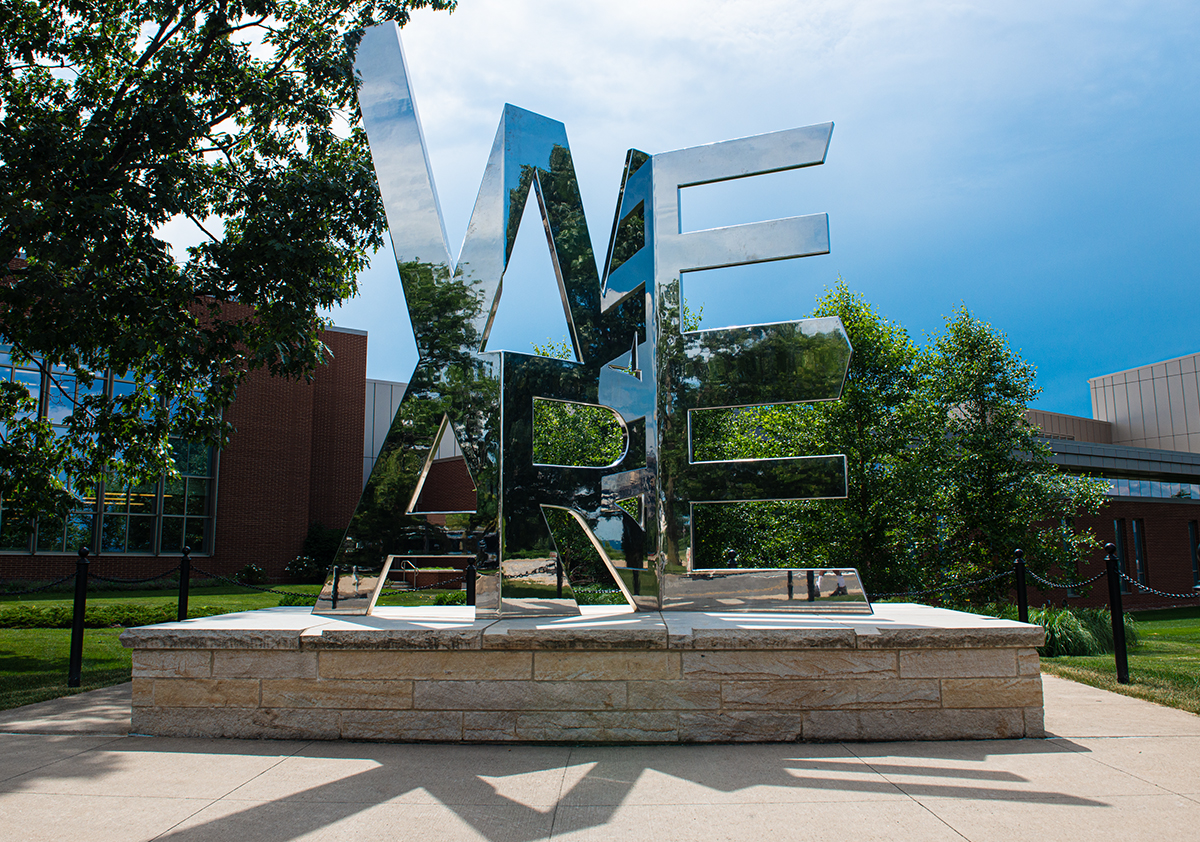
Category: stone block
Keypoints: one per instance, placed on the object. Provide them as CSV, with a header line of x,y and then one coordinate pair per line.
x,y
519,695
441,665
999,637
690,637
491,725
1021,692
196,636
767,664
238,723
344,694
941,724
1028,662
258,663
412,639
172,663
595,726
507,635
958,663
1035,722
740,726
143,692
205,692
673,695
830,694
615,665
401,725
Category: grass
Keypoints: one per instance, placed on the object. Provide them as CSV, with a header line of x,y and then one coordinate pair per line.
x,y
1164,668
228,597
33,662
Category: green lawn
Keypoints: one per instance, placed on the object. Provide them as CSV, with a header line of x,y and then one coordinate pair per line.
x,y
1165,668
33,662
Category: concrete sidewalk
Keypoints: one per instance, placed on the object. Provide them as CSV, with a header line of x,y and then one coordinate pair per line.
x,y
1116,768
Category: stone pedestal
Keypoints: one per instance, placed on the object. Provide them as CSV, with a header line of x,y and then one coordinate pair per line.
x,y
908,672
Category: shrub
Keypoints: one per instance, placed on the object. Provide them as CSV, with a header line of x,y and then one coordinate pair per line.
x,y
252,574
321,544
297,599
451,598
598,595
1069,631
305,570
121,614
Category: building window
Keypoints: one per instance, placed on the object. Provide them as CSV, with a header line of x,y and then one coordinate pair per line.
x,y
1119,542
1154,488
161,517
1067,532
1139,550
1194,535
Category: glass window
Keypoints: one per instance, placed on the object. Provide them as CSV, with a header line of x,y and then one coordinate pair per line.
x,y
1139,550
1119,543
1194,536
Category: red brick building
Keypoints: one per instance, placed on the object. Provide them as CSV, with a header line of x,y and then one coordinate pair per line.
x,y
295,459
1144,438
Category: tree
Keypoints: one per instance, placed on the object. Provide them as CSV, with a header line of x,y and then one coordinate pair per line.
x,y
118,116
998,488
945,475
876,424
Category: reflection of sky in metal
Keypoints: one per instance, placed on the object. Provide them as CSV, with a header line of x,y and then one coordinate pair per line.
x,y
962,131
630,354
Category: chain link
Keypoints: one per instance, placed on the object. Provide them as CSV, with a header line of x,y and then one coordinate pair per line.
x,y
98,577
252,587
41,588
1157,592
953,587
1068,585
434,586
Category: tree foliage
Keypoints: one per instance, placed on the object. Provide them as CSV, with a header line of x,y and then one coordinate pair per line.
x,y
945,475
119,116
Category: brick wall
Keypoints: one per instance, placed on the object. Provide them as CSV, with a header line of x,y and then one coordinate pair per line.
x,y
1168,554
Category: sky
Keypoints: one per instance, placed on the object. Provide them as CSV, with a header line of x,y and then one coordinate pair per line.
x,y
1034,162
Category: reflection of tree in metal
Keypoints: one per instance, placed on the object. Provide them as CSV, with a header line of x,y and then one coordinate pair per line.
x,y
634,357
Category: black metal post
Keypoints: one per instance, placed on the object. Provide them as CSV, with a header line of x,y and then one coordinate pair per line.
x,y
333,598
469,581
185,581
1118,613
558,572
75,667
791,588
1022,594
812,586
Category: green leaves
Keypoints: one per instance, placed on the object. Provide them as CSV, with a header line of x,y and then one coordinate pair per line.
x,y
119,116
946,477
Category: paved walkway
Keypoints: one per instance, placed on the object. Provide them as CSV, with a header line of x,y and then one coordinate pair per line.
x,y
1116,768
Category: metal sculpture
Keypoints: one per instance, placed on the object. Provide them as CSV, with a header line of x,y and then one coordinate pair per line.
x,y
633,357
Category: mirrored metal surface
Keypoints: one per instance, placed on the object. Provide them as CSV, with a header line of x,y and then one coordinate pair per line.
x,y
353,589
632,354
801,589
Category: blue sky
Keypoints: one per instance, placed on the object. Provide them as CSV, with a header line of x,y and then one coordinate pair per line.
x,y
1034,161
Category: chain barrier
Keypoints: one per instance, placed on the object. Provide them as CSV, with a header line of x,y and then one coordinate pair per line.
x,y
1155,591
100,578
218,576
40,588
952,587
434,586
1067,586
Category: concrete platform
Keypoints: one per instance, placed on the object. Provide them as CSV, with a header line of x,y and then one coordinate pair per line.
x,y
1111,767
439,674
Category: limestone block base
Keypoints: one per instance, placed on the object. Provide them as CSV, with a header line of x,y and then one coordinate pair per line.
x,y
908,672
